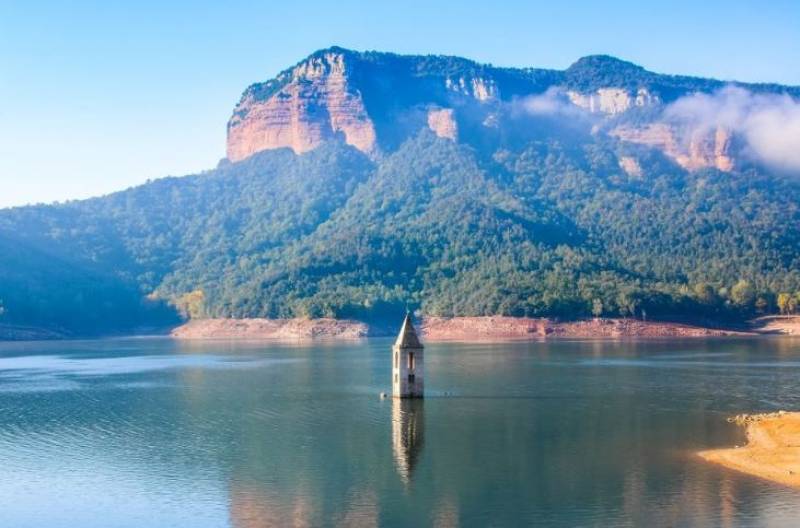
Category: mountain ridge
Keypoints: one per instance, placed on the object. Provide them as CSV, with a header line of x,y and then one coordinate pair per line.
x,y
376,100
595,62
451,200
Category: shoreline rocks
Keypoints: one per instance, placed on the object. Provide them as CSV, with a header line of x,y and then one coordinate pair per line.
x,y
467,329
289,329
500,327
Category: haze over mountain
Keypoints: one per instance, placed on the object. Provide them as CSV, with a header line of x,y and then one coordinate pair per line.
x,y
358,184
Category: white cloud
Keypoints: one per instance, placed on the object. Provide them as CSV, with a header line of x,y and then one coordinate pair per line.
x,y
769,124
553,102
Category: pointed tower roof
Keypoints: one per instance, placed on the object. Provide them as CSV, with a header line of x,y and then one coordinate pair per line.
x,y
408,335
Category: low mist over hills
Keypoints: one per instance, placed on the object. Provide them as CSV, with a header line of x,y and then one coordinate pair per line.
x,y
361,183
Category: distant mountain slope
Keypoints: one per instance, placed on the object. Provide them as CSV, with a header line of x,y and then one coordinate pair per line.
x,y
439,184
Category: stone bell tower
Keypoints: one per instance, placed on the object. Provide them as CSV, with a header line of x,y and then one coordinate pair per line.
x,y
408,370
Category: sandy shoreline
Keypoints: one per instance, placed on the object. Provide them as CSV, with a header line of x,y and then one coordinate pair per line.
x,y
772,451
493,328
280,329
778,325
465,329
437,329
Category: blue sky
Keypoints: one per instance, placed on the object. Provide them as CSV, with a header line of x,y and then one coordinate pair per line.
x,y
99,96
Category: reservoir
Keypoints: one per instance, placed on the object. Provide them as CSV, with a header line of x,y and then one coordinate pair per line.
x,y
157,432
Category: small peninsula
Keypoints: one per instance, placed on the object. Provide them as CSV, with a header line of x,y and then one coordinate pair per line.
x,y
772,451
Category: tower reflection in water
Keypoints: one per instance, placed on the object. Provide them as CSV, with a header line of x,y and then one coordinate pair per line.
x,y
408,435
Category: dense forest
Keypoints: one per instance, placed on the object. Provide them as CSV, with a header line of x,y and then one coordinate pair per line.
x,y
545,227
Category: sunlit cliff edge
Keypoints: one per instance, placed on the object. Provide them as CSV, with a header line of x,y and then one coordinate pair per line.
x,y
369,98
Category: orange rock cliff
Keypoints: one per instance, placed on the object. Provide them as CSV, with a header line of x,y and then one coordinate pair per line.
x,y
360,97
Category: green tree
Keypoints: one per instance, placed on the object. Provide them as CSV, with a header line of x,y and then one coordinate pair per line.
x,y
597,307
743,294
762,304
628,303
705,293
191,305
784,302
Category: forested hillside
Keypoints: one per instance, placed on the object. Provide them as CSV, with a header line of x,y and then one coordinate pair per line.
x,y
540,230
524,215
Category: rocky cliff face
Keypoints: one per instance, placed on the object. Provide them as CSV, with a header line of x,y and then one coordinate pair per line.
x,y
631,166
315,103
324,97
479,88
692,150
374,101
613,101
443,123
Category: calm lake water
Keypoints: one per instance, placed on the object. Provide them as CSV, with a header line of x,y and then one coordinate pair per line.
x,y
151,432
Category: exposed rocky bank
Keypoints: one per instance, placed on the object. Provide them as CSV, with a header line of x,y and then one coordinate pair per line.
x,y
489,328
280,329
778,325
443,329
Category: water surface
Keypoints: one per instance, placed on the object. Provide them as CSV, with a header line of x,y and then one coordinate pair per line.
x,y
151,432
